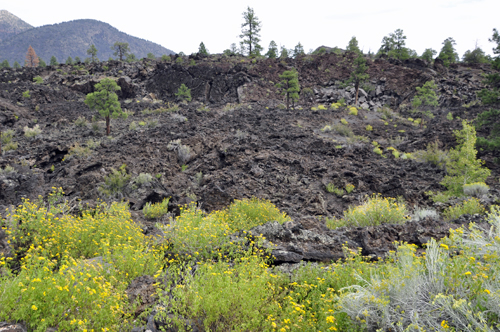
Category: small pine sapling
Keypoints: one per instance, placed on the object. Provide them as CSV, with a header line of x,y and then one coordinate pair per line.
x,y
289,86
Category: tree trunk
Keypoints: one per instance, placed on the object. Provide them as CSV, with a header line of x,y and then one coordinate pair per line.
x,y
108,130
287,101
357,91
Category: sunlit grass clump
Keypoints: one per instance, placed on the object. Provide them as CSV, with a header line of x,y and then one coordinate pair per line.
x,y
374,211
470,206
195,232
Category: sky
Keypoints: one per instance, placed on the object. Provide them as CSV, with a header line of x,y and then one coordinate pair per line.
x,y
181,25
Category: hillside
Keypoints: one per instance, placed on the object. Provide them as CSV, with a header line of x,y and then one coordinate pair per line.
x,y
249,228
73,39
11,25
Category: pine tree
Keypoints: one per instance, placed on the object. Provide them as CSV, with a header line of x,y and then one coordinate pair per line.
x,y
463,167
16,64
394,46
92,51
183,93
298,50
284,53
5,64
53,61
353,46
475,56
448,53
289,86
77,59
69,61
151,56
272,52
359,75
250,33
105,101
202,50
121,50
31,58
428,54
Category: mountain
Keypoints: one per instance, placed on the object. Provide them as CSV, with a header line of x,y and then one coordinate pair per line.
x,y
73,38
11,25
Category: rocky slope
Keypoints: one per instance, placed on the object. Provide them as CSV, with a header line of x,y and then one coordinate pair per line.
x,y
11,25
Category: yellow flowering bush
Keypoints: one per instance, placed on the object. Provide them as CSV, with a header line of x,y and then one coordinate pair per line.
x,y
470,206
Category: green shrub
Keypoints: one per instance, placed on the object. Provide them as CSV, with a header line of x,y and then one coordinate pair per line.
x,y
343,129
353,111
78,151
449,116
322,107
133,126
470,206
344,121
6,140
369,128
377,150
426,95
349,188
374,211
143,178
7,169
156,210
81,121
32,132
332,189
432,155
26,94
166,58
477,189
115,182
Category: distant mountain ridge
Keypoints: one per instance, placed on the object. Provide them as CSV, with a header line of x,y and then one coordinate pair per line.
x,y
11,25
73,38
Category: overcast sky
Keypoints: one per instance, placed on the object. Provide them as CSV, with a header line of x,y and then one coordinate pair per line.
x,y
181,25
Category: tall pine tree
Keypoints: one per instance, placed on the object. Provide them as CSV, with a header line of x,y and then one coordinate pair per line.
x,y
250,33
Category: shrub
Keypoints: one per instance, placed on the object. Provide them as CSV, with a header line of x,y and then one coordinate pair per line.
x,y
327,128
81,121
335,105
449,116
470,206
32,132
426,95
78,151
332,189
349,188
7,169
6,140
477,189
432,155
343,129
322,107
26,94
369,128
156,210
423,213
183,93
377,150
344,121
143,178
183,153
353,111
115,182
374,211
133,126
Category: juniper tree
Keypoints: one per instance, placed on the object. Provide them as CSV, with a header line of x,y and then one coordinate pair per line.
x,y
272,52
289,86
359,75
92,51
105,101
121,50
250,29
